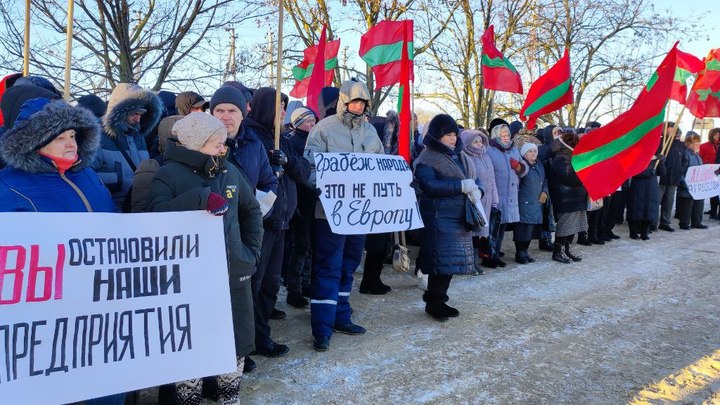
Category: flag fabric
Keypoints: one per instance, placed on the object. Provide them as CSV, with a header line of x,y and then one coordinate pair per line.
x,y
549,92
687,65
382,48
704,98
318,77
607,156
406,70
303,72
497,71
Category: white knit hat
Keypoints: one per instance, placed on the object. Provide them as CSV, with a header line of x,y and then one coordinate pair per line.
x,y
196,128
527,146
300,115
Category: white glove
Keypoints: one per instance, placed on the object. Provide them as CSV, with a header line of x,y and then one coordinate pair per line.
x,y
468,186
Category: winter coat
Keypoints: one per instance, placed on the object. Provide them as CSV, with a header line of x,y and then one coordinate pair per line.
x,y
31,182
445,241
142,184
485,174
332,135
643,199
674,162
566,190
306,194
248,154
708,152
110,164
531,186
297,170
507,180
184,183
693,159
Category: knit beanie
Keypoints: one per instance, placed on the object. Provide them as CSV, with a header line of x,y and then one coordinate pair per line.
x,y
300,115
231,95
527,146
442,124
515,127
196,128
93,103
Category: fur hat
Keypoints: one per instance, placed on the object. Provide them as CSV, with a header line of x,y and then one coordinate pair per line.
x,y
300,115
230,95
196,128
442,124
495,122
527,146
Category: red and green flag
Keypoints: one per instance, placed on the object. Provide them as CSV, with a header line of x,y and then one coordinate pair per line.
x,y
497,71
687,65
405,115
704,98
311,58
382,49
549,92
607,156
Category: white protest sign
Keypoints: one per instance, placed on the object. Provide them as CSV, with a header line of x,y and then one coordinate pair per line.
x,y
702,181
365,193
98,304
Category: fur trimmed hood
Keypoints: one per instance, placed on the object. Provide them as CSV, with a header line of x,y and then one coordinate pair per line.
x,y
125,99
19,145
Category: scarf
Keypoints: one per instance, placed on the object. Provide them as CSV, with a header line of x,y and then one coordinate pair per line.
x,y
62,164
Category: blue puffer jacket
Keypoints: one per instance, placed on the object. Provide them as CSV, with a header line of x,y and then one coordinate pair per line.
x,y
691,159
531,186
248,154
446,242
32,182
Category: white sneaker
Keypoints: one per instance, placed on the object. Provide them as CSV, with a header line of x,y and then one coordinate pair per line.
x,y
422,280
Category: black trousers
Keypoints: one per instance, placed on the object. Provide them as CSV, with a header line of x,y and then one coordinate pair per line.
x,y
715,205
438,286
690,212
266,284
297,273
609,212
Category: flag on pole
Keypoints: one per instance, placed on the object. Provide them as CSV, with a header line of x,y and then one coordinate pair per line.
x,y
549,92
609,155
704,98
497,71
406,71
687,65
311,58
382,49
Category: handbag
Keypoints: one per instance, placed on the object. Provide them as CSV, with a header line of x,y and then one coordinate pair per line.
x,y
473,218
401,256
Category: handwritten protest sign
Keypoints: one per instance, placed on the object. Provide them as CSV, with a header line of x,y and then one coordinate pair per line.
x,y
364,193
702,181
97,304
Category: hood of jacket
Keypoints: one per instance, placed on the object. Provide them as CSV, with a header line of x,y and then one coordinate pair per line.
x,y
19,144
263,108
16,96
349,91
125,99
327,101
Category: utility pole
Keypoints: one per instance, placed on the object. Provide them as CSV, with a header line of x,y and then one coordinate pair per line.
x,y
231,65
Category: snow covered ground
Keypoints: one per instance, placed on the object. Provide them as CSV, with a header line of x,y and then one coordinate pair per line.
x,y
633,322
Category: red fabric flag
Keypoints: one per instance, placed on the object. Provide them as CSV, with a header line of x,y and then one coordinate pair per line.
x,y
549,92
497,71
704,98
381,49
303,72
687,65
609,155
404,102
317,79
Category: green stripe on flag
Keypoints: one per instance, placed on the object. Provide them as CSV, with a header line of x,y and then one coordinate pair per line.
x,y
712,64
610,149
498,63
681,75
382,54
300,73
549,97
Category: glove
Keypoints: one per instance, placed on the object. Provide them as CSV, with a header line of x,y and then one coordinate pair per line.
x,y
468,186
277,157
514,164
543,197
216,204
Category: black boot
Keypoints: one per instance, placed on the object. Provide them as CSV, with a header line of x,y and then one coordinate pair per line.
x,y
559,252
645,230
526,245
568,252
583,239
372,268
546,245
521,257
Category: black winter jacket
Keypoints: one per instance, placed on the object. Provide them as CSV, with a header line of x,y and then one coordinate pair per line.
x,y
566,190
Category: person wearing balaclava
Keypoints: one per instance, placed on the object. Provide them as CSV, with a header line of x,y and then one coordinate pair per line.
x,y
337,256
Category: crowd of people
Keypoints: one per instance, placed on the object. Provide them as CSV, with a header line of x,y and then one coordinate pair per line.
x,y
148,152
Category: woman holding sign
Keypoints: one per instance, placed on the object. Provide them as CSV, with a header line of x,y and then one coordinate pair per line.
x,y
690,211
445,178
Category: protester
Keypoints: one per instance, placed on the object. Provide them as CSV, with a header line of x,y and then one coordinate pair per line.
x,y
675,161
185,103
547,136
708,153
195,176
506,161
568,195
475,147
445,178
132,113
336,256
294,169
532,194
690,211
643,199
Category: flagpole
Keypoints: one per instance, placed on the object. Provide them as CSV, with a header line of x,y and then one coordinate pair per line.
x,y
68,48
26,48
665,125
278,121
